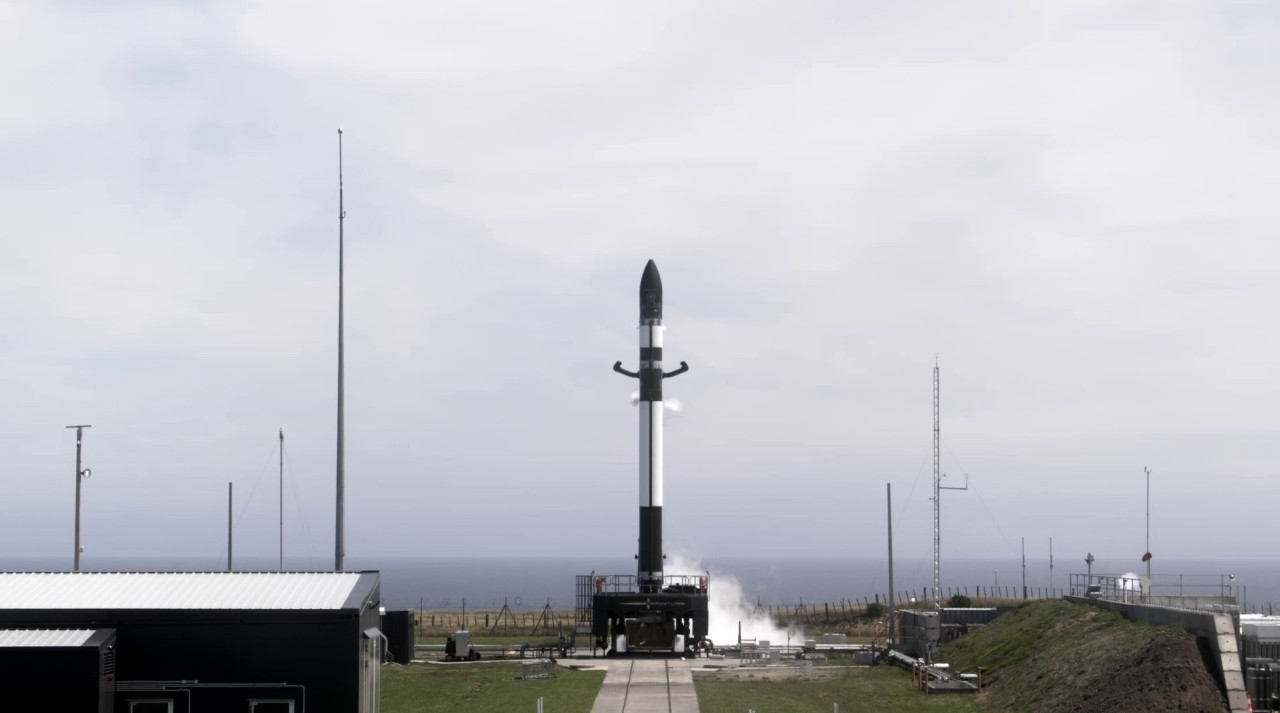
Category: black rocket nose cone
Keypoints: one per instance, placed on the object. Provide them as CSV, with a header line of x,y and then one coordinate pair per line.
x,y
650,292
651,280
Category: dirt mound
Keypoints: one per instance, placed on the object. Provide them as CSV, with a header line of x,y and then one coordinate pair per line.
x,y
1054,656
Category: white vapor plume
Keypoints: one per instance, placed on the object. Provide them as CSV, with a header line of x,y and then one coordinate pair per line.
x,y
672,405
1129,582
729,606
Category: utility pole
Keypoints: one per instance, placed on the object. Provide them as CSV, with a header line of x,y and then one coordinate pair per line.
x,y
81,473
1051,566
339,549
229,489
281,568
1024,568
938,488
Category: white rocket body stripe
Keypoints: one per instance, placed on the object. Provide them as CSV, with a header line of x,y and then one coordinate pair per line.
x,y
655,455
651,425
646,425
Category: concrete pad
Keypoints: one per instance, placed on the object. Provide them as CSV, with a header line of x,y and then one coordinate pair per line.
x,y
647,686
613,692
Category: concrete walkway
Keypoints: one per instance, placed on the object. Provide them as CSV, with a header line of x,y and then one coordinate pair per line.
x,y
647,686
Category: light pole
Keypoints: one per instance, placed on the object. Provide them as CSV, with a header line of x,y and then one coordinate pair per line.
x,y
1146,557
80,474
1088,561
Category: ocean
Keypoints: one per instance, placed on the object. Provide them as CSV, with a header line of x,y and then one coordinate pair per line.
x,y
529,584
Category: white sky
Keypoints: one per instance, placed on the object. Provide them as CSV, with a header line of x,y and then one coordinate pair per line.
x,y
1070,204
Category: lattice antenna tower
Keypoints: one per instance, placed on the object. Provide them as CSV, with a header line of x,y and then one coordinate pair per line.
x,y
938,487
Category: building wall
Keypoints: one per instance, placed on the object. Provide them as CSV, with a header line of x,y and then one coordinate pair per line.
x,y
318,650
49,679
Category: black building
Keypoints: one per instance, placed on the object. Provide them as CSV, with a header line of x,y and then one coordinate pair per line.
x,y
57,669
197,642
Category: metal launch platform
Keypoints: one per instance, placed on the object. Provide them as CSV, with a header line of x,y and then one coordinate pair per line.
x,y
622,618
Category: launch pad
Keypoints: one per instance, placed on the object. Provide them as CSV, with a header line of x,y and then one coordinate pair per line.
x,y
623,619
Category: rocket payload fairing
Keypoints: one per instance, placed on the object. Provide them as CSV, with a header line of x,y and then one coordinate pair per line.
x,y
649,568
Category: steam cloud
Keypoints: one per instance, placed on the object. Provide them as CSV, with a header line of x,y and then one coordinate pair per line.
x,y
729,606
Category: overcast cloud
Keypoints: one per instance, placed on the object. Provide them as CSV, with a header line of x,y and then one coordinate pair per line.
x,y
1073,204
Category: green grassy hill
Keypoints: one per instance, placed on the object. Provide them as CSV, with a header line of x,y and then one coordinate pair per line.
x,y
1050,656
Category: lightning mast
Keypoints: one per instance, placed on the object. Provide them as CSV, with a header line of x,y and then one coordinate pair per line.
x,y
938,487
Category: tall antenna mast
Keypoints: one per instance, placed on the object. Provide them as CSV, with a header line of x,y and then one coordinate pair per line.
x,y
339,551
938,488
937,491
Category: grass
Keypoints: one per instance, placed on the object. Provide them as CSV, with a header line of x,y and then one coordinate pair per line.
x,y
484,688
1076,631
883,689
1061,656
488,687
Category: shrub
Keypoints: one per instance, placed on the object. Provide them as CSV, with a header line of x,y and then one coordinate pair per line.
x,y
959,601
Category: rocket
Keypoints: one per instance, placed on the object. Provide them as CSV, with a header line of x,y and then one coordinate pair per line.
x,y
650,374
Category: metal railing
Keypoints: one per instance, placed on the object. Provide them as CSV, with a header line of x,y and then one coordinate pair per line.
x,y
1214,592
630,584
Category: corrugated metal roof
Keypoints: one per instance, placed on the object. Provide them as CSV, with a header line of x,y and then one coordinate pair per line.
x,y
176,590
27,638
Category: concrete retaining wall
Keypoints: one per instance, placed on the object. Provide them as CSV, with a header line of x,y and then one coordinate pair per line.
x,y
1218,630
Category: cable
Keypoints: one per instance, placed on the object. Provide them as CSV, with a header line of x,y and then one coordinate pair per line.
x,y
993,519
236,523
256,483
897,517
983,503
293,483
